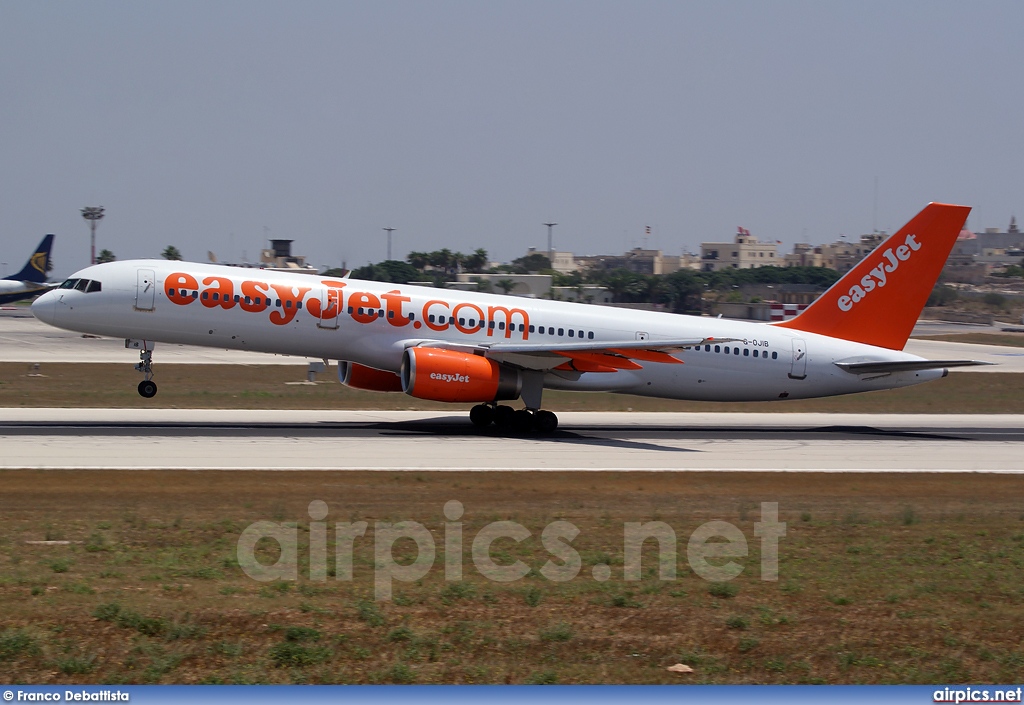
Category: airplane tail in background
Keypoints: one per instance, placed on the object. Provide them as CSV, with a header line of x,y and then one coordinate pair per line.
x,y
38,265
879,300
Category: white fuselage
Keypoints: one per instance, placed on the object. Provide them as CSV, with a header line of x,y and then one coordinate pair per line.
x,y
320,317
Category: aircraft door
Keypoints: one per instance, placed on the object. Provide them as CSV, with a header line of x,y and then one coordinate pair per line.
x,y
799,368
330,308
145,292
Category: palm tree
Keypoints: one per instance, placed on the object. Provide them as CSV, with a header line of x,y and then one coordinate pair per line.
x,y
105,256
476,262
419,260
506,285
171,252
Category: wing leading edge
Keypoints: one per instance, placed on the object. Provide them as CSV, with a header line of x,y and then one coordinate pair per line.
x,y
591,356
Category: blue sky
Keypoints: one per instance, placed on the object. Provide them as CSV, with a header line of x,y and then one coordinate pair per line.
x,y
215,125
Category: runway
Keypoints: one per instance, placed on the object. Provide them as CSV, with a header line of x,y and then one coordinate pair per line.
x,y
436,441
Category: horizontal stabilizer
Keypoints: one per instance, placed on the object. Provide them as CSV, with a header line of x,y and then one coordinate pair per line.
x,y
882,367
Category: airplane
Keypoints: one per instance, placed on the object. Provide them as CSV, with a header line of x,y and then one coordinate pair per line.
x,y
31,280
482,349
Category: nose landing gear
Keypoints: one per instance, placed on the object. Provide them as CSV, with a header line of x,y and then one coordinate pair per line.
x,y
147,387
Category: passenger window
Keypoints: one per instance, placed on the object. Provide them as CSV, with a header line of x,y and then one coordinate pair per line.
x,y
279,303
350,309
462,321
501,325
248,300
412,316
580,333
590,335
472,323
287,304
430,318
195,294
572,333
298,304
170,292
746,352
391,314
260,301
490,324
237,297
775,356
206,295
735,351
718,348
707,348
531,327
216,296
541,330
440,319
561,331
94,286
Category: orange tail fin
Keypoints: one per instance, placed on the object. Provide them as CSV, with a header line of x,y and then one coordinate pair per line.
x,y
878,301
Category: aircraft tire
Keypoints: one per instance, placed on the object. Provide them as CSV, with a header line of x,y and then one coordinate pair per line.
x,y
522,421
147,389
481,415
545,421
503,416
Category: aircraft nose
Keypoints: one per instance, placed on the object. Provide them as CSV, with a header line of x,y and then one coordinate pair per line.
x,y
45,307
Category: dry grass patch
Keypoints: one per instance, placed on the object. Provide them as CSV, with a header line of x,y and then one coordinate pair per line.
x,y
883,579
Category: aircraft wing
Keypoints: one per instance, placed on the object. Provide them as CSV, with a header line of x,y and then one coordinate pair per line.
x,y
582,356
883,367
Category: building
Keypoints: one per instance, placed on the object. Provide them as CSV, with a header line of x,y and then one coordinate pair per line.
x,y
744,252
531,286
843,256
976,256
805,255
586,293
279,258
637,260
992,239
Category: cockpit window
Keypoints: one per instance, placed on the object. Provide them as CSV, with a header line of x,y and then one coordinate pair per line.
x,y
86,285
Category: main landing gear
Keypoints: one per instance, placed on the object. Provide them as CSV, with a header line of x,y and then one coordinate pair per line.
x,y
505,417
147,387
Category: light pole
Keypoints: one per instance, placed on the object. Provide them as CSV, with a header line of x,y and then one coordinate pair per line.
x,y
92,214
551,252
390,230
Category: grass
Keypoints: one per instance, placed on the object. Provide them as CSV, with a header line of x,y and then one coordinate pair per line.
x,y
938,598
265,387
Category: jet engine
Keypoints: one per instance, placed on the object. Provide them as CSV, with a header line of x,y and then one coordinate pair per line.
x,y
452,376
357,376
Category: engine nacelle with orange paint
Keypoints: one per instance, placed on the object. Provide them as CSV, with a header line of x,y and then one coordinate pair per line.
x,y
357,376
452,376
